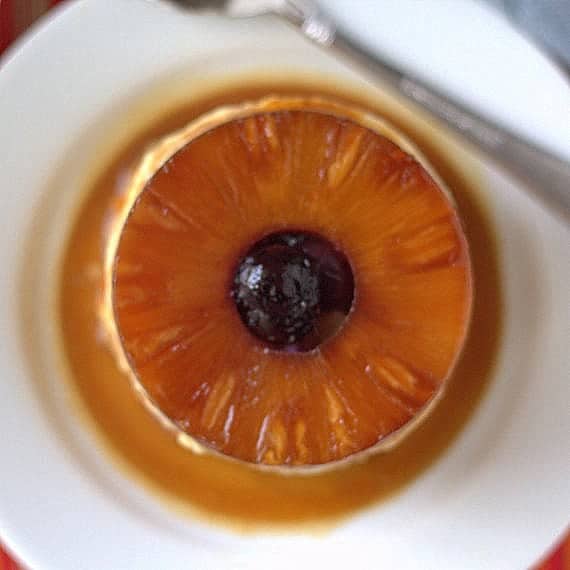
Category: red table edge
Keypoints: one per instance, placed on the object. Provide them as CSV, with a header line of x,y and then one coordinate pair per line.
x,y
558,557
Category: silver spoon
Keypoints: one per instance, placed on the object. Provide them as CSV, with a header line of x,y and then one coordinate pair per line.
x,y
546,176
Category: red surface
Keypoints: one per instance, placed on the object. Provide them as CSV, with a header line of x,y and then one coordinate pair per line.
x,y
559,559
6,22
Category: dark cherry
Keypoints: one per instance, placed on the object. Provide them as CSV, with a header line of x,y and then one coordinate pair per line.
x,y
293,290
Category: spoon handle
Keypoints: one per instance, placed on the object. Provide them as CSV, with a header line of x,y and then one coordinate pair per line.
x,y
546,176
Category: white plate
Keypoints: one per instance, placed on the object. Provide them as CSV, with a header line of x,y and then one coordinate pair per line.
x,y
499,496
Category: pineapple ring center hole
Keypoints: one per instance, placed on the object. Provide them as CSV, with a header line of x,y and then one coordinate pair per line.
x,y
293,290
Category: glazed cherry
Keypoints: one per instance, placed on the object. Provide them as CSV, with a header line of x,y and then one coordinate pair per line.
x,y
293,290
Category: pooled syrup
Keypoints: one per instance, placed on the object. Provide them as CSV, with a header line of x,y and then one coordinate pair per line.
x,y
226,491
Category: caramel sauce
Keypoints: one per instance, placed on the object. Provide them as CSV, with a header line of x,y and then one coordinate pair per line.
x,y
229,492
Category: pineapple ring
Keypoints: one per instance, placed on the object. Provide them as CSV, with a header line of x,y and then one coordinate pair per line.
x,y
205,194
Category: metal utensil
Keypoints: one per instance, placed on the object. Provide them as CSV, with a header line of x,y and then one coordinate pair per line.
x,y
546,176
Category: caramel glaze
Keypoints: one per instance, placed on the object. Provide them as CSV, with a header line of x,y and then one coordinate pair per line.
x,y
229,492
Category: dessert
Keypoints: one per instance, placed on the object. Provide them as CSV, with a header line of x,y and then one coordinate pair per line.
x,y
290,284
